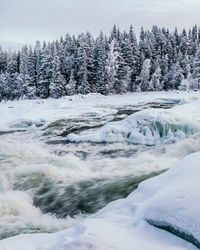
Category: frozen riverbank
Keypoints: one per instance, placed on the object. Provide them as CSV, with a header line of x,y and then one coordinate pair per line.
x,y
39,112
59,183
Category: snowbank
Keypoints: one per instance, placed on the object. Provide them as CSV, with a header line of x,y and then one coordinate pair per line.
x,y
151,127
170,201
175,200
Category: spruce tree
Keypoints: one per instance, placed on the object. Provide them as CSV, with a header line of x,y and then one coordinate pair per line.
x,y
71,85
3,61
144,77
101,66
57,82
196,70
83,85
44,73
155,83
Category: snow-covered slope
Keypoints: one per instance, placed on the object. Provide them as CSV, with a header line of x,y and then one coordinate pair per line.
x,y
171,201
151,126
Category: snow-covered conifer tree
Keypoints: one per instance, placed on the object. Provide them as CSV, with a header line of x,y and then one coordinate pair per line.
x,y
44,73
27,73
155,83
144,77
71,85
176,76
101,66
196,70
123,74
111,67
83,85
3,61
57,83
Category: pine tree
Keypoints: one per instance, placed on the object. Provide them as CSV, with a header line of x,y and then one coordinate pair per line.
x,y
89,49
144,77
67,54
144,45
37,58
111,68
31,87
128,57
135,66
123,72
13,81
113,35
101,66
44,73
3,61
155,83
27,73
183,48
176,76
83,85
12,66
71,85
196,70
57,83
4,89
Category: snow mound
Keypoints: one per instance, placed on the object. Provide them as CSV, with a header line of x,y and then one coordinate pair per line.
x,y
175,200
170,201
150,127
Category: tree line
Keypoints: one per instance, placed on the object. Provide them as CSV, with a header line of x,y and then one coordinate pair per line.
x,y
114,64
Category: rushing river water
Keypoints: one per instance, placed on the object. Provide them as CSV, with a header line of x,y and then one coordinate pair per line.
x,y
48,183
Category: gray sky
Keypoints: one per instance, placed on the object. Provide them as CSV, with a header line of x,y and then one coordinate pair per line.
x,y
25,21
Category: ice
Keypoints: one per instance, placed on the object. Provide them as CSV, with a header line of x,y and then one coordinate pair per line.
x,y
150,127
35,112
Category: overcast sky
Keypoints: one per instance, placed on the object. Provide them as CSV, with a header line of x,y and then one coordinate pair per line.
x,y
25,21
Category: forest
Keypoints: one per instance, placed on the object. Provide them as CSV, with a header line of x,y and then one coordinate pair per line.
x,y
157,60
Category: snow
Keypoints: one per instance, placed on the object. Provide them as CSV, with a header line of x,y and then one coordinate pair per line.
x,y
177,202
171,198
151,126
14,113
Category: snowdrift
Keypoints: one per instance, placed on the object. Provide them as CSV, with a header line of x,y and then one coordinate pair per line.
x,y
174,200
150,127
170,201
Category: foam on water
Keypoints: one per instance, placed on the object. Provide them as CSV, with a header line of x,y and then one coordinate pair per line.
x,y
33,177
19,215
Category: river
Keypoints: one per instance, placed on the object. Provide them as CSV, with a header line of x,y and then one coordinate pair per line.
x,y
48,183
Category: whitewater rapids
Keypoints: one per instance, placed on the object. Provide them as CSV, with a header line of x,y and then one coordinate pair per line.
x,y
48,183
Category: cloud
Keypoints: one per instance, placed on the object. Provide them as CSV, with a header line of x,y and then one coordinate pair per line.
x,y
24,21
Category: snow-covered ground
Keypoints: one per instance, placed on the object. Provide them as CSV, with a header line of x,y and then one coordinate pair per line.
x,y
36,111
43,174
169,199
